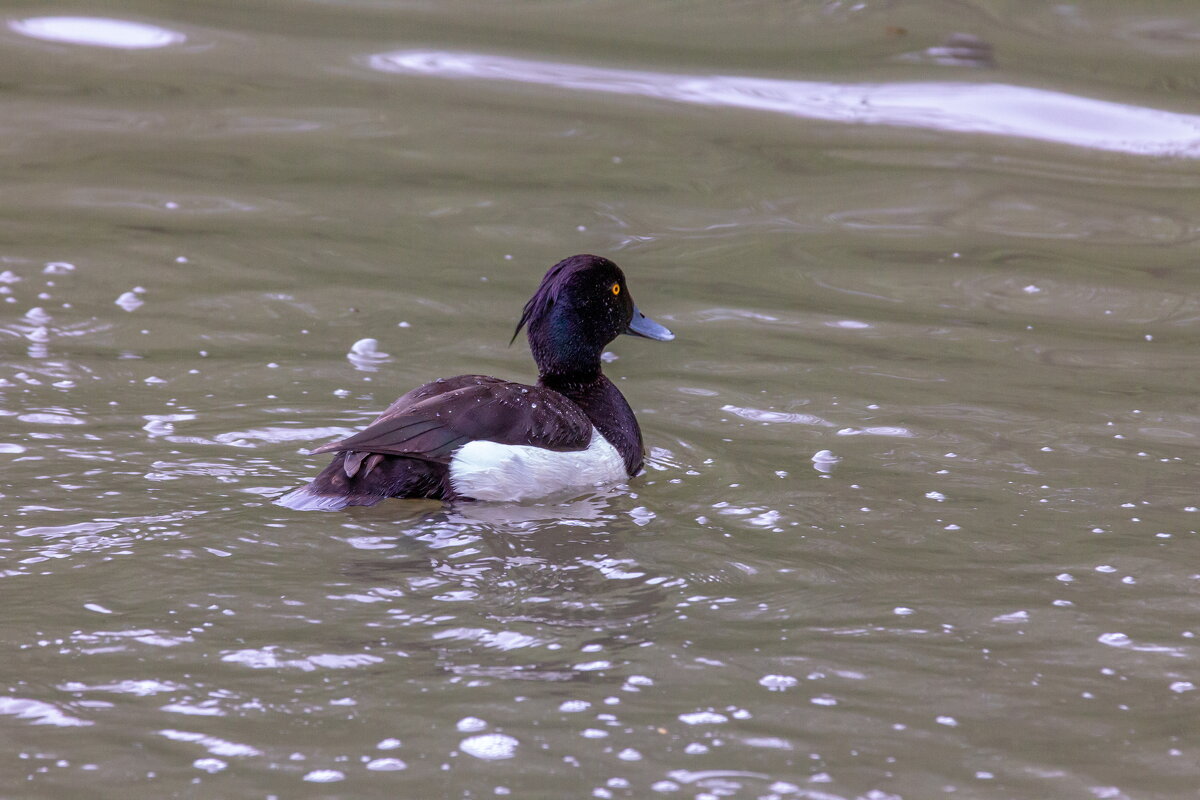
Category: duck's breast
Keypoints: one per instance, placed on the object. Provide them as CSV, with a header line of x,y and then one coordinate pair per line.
x,y
491,471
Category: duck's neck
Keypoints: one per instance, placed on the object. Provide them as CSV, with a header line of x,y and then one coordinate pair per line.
x,y
606,407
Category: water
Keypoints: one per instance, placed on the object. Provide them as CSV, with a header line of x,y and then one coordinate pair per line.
x,y
964,266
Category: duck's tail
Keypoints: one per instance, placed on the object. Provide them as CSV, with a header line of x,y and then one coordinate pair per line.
x,y
308,498
351,481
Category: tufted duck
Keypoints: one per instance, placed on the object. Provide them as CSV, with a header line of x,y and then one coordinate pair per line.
x,y
482,438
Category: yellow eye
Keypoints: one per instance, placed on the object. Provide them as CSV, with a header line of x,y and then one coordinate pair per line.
x,y
616,289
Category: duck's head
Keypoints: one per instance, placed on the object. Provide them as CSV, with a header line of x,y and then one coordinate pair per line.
x,y
581,305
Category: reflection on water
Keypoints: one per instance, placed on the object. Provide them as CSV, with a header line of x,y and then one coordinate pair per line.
x,y
992,108
97,32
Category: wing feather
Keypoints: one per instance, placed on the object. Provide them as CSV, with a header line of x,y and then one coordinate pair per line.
x,y
434,420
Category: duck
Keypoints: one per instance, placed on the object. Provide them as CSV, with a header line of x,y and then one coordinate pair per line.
x,y
479,438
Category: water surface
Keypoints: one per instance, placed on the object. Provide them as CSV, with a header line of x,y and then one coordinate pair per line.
x,y
947,248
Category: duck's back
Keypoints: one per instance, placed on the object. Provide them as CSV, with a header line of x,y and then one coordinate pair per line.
x,y
410,449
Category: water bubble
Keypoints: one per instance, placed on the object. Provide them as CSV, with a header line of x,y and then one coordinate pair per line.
x,y
571,706
470,724
325,776
823,461
365,355
777,683
130,301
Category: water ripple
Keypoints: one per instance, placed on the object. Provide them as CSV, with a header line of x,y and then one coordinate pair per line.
x,y
39,713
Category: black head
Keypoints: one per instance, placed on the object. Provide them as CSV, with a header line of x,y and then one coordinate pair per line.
x,y
581,305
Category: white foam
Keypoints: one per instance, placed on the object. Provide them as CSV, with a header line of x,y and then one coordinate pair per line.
x,y
777,683
490,746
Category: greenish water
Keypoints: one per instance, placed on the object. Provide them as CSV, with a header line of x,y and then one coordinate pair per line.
x,y
967,268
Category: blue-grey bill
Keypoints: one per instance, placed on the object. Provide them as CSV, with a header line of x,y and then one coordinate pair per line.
x,y
641,325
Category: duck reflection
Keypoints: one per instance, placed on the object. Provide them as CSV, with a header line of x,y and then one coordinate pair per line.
x,y
534,592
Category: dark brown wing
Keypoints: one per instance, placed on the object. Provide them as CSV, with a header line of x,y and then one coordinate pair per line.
x,y
434,420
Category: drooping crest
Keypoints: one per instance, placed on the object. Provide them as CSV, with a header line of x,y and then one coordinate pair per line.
x,y
552,283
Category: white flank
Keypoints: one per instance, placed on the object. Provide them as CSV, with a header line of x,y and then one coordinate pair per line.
x,y
491,471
